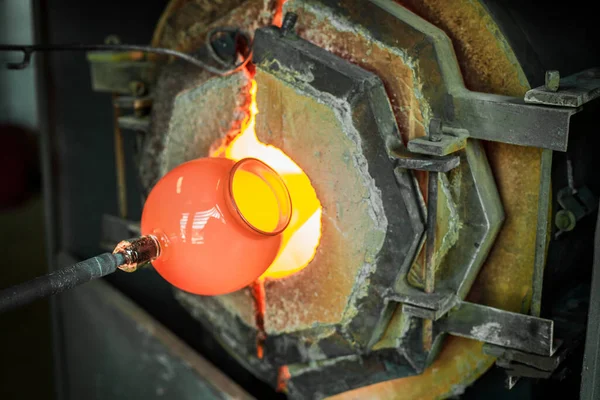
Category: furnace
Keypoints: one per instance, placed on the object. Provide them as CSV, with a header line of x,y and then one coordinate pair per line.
x,y
418,161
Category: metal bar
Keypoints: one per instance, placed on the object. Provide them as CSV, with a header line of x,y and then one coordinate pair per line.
x,y
447,145
425,163
541,237
28,51
133,102
502,328
119,160
432,200
573,91
432,301
432,203
510,120
522,371
131,122
59,280
419,312
533,360
590,375
426,313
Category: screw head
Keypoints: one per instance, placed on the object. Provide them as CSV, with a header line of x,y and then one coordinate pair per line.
x,y
435,129
565,220
289,21
552,82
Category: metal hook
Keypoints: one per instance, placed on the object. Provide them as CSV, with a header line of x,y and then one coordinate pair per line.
x,y
23,64
231,67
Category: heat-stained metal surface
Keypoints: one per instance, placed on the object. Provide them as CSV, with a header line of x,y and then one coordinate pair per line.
x,y
491,325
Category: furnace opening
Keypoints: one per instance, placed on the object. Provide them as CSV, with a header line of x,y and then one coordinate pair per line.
x,y
301,238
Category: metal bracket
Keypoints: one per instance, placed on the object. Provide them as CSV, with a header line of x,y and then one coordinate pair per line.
x,y
442,140
430,314
446,145
522,364
575,204
133,102
499,119
503,328
134,123
527,365
511,120
572,91
417,162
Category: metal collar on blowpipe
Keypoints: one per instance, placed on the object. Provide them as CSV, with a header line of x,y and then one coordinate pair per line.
x,y
138,251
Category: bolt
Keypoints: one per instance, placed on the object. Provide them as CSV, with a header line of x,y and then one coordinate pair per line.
x,y
137,88
552,81
565,220
289,21
435,130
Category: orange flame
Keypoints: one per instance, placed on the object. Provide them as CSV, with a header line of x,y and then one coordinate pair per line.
x,y
301,239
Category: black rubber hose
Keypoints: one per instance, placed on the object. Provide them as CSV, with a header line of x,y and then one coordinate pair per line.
x,y
60,280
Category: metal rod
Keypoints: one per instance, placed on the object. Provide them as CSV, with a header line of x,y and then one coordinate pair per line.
x,y
59,280
28,51
119,161
432,201
541,232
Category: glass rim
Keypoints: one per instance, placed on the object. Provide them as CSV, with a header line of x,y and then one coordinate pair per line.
x,y
285,217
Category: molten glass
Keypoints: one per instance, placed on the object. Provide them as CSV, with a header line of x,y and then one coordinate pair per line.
x,y
219,223
301,239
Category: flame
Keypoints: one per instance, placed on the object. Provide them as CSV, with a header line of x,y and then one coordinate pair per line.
x,y
301,239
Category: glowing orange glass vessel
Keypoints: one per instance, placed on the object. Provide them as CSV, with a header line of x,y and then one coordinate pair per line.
x,y
218,222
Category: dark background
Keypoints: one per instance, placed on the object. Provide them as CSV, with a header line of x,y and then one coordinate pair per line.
x,y
79,124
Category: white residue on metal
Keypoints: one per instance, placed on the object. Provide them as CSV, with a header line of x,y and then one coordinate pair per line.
x,y
343,112
489,332
454,223
300,369
375,210
303,76
169,370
